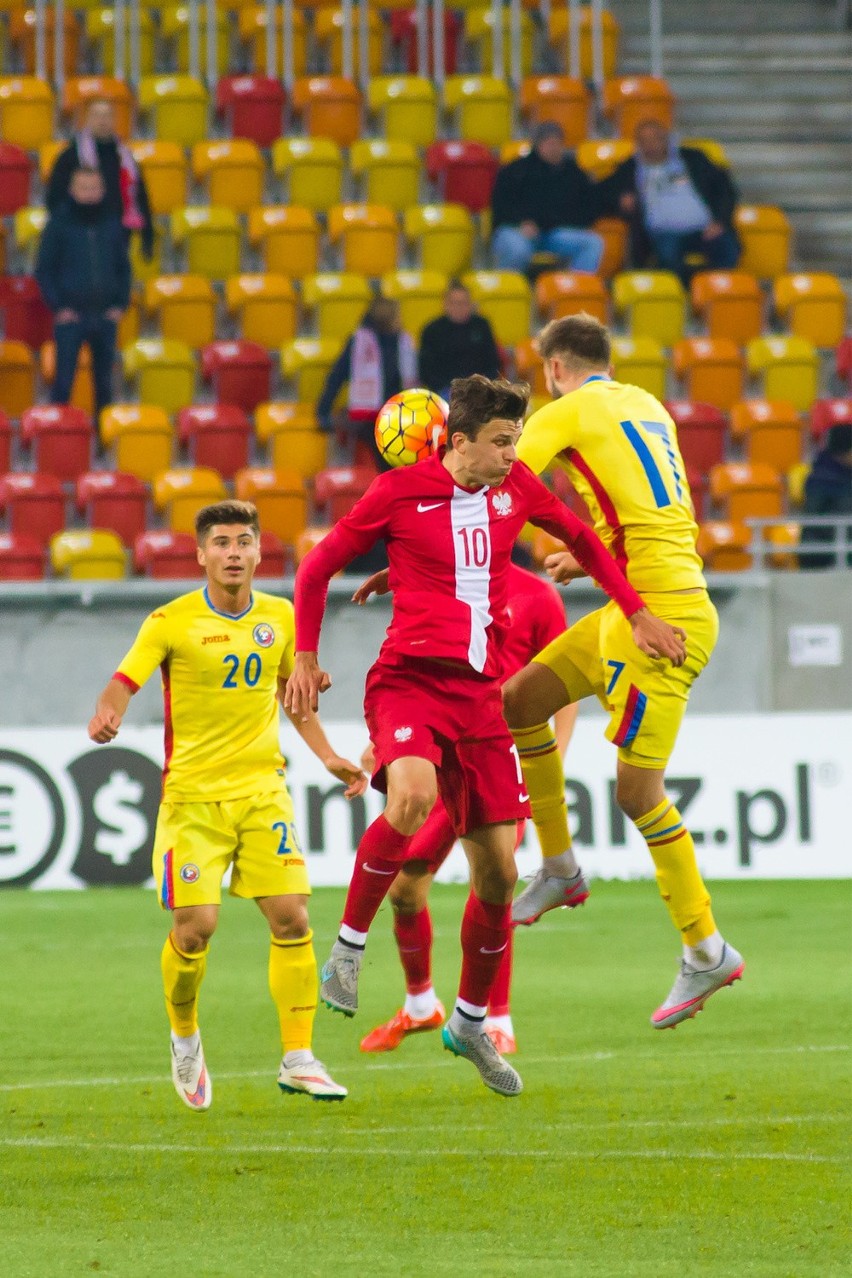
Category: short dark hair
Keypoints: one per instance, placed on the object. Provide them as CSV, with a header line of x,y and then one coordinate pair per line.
x,y
456,286
580,341
475,401
226,512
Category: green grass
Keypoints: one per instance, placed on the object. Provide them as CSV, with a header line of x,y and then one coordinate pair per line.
x,y
715,1149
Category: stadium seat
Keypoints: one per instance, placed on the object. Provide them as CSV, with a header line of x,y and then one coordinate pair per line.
x,y
5,444
788,367
251,106
420,295
114,500
654,302
795,480
558,33
306,362
785,539
181,493
60,438
218,436
479,35
713,150
600,157
17,378
21,557
175,33
82,389
280,415
481,108
177,106
724,546
164,372
813,306
337,301
633,99
404,36
22,37
48,153
309,537
26,111
274,556
87,555
388,170
15,173
556,98
444,235
293,439
253,29
265,306
34,504
613,232
288,238
103,37
328,34
641,362
826,413
712,369
746,491
28,225
79,91
26,316
166,554
329,107
560,293
280,499
530,366
504,298
730,303
185,306
771,431
164,168
140,436
843,361
240,371
463,173
232,170
701,432
313,169
368,236
337,489
211,239
407,107
765,235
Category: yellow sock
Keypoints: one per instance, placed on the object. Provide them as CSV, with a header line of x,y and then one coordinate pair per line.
x,y
293,986
680,883
545,782
182,977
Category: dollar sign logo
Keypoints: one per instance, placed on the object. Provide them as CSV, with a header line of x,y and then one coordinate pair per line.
x,y
119,791
125,828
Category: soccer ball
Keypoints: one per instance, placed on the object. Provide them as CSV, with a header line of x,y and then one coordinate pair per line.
x,y
410,426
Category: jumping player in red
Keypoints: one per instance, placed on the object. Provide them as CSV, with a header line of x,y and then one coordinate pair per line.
x,y
432,700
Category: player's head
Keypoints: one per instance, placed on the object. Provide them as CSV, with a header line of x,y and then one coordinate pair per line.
x,y
228,535
485,421
573,348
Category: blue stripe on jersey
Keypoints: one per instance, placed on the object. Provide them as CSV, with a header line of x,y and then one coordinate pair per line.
x,y
650,467
232,616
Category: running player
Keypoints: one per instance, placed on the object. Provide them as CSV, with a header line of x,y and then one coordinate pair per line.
x,y
432,700
225,654
619,447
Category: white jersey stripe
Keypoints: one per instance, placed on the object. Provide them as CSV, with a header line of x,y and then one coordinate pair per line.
x,y
472,554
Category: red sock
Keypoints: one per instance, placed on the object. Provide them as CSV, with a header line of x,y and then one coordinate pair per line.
x,y
484,937
377,862
498,1003
413,934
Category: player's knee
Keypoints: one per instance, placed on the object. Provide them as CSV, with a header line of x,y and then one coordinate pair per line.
x,y
192,938
407,895
291,922
408,809
636,796
496,882
513,705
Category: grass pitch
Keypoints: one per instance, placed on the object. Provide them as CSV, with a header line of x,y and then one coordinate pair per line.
x,y
717,1148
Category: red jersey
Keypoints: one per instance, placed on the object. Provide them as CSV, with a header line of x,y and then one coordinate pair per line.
x,y
449,551
536,617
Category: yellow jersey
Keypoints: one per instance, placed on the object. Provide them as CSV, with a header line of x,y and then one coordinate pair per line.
x,y
220,680
619,447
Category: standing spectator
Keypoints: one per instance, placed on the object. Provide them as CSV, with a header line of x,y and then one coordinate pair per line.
x,y
677,203
544,202
378,361
83,271
828,491
458,343
98,147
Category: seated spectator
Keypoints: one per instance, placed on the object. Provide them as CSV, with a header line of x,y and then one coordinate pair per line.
x,y
98,147
83,271
458,343
828,491
677,203
378,361
544,203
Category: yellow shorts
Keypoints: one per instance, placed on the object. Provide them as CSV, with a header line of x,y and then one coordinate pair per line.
x,y
645,698
196,842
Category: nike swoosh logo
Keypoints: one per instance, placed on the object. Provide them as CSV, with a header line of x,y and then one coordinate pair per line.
x,y
421,508
498,951
370,870
523,798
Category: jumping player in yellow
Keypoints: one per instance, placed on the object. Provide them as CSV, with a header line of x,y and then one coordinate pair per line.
x,y
225,653
619,447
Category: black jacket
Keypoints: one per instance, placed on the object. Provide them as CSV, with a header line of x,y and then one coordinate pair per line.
x,y
109,163
551,195
449,350
83,263
828,491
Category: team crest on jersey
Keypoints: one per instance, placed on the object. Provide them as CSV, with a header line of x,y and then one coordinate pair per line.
x,y
403,734
190,873
263,635
502,503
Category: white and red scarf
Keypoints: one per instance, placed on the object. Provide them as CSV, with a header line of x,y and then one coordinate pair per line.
x,y
87,151
366,381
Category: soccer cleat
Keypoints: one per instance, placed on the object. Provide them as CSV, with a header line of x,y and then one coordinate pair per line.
x,y
505,1044
387,1037
692,989
312,1079
481,1052
542,894
189,1075
339,979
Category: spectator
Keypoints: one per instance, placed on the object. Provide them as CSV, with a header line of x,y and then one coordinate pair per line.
x,y
677,203
97,147
83,271
458,343
828,491
379,360
544,202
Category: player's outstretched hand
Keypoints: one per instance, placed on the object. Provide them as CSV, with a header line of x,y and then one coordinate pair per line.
x,y
656,638
375,585
104,726
562,566
349,773
305,685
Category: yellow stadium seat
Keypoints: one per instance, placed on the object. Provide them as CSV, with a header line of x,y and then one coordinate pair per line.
x,y
368,235
641,362
730,303
293,438
771,430
288,237
252,25
796,477
560,293
788,367
444,234
407,107
420,295
211,238
558,35
266,306
328,33
144,269
785,538
92,554
329,107
100,32
279,415
389,171
479,33
306,362
29,224
164,167
481,107
724,546
712,368
175,30
631,99
280,499
338,301
309,537
233,172
814,307
654,302
313,169
746,491
514,149
530,366
185,306
163,370
765,236
599,157
80,91
48,153
178,106
714,150
504,298
181,493
17,378
26,111
560,99
140,436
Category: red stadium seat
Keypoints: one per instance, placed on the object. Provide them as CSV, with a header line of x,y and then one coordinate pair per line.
x,y
241,373
27,317
35,504
111,499
697,481
22,557
843,361
701,432
61,437
338,488
252,107
274,556
166,554
403,34
5,444
464,173
826,413
15,171
217,435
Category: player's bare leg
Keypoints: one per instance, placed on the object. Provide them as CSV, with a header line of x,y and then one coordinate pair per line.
x,y
183,962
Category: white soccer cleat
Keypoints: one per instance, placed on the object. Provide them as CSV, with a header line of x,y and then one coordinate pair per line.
x,y
548,892
189,1075
311,1079
692,989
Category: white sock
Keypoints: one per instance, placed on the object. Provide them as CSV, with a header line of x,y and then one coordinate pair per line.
x,y
503,1023
706,954
356,940
303,1056
563,866
468,1018
421,1006
187,1046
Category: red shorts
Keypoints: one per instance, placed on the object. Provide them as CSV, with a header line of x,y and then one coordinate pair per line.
x,y
453,718
435,839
